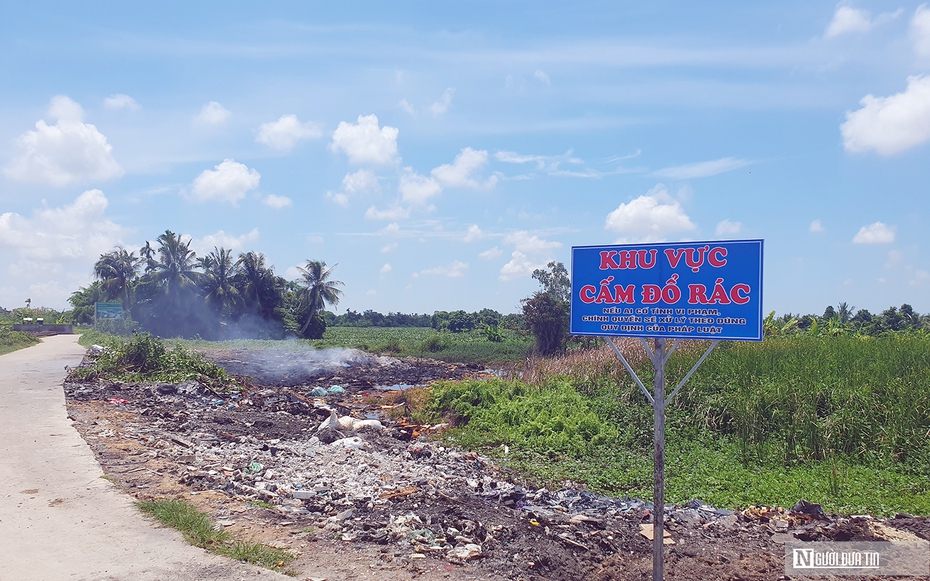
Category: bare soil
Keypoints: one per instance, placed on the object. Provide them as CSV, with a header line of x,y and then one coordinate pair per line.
x,y
390,504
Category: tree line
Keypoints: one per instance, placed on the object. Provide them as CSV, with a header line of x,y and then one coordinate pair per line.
x,y
547,313
455,321
169,291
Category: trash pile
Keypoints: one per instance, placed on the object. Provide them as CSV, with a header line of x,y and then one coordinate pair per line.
x,y
326,460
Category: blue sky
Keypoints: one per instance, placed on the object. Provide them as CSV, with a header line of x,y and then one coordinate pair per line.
x,y
438,152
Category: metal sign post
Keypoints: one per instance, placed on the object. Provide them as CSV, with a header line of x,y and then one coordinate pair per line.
x,y
694,290
659,357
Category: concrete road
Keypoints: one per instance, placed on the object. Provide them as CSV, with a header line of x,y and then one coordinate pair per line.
x,y
59,520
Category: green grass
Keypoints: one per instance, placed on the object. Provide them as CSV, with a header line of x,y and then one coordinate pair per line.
x,y
840,421
468,347
12,340
199,531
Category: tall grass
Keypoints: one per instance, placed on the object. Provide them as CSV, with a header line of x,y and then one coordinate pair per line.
x,y
842,420
791,400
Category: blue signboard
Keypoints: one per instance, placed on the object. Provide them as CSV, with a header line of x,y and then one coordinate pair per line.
x,y
684,290
109,311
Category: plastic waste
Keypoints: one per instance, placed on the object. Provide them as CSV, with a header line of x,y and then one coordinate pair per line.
x,y
255,467
318,392
330,423
352,443
336,389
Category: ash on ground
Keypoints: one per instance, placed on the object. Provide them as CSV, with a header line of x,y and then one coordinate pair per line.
x,y
369,485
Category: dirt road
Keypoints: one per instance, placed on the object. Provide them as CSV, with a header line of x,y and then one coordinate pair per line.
x,y
59,519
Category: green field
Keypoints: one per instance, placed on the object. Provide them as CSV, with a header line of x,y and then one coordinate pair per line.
x,y
842,421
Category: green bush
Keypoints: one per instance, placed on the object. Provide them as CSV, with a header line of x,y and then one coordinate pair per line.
x,y
435,343
12,340
146,358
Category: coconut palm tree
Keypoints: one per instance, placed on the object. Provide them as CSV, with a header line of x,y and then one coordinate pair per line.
x,y
317,290
217,281
147,254
257,284
174,270
116,271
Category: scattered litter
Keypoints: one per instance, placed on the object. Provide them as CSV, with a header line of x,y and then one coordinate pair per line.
x,y
646,531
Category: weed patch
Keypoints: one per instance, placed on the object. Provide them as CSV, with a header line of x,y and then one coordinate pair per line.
x,y
12,340
145,358
199,531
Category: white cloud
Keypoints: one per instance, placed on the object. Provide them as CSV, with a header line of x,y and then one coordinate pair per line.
x,y
847,19
920,31
491,253
816,226
62,108
920,277
69,151
548,163
338,198
415,188
519,267
361,181
728,228
651,217
314,239
365,142
386,268
357,182
454,269
530,244
213,114
292,273
278,202
877,233
392,213
221,239
441,107
407,107
473,233
48,256
542,76
284,133
703,169
227,182
121,101
892,124
460,172
371,293
389,247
